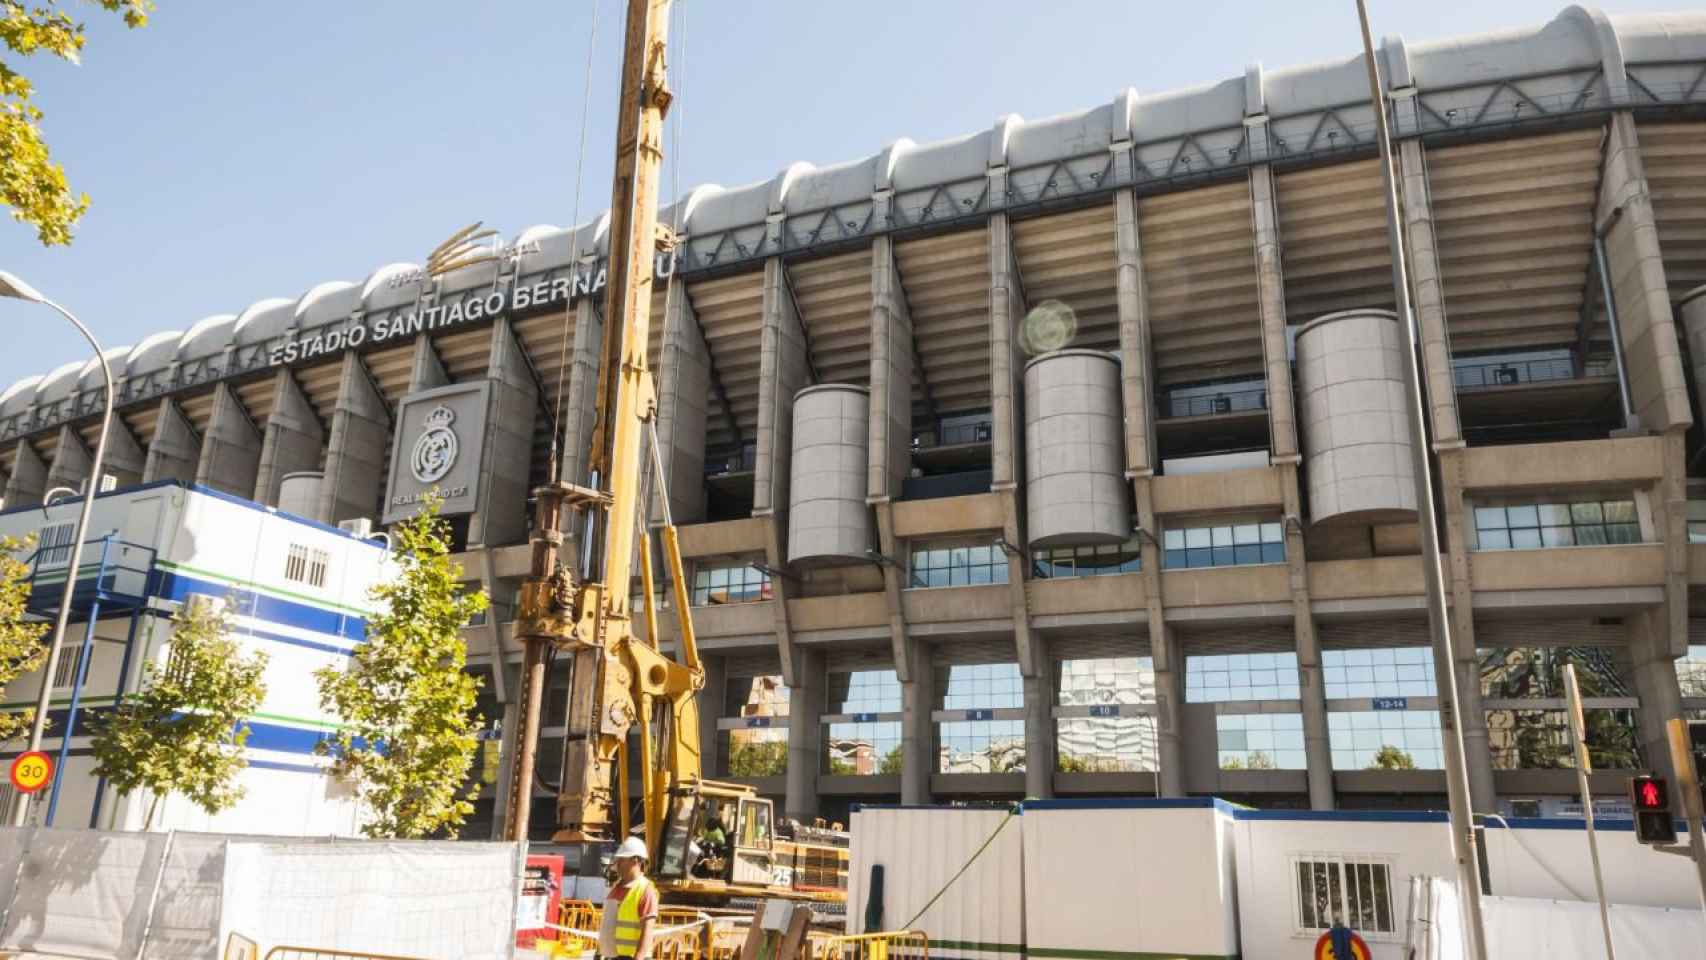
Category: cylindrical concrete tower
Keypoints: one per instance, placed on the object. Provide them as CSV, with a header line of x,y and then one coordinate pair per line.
x,y
828,520
1693,310
1074,458
1356,432
299,493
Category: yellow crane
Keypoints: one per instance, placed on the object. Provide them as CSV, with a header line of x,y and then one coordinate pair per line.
x,y
620,679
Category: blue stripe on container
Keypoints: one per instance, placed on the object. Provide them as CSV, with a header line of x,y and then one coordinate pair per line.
x,y
276,737
292,640
287,767
176,586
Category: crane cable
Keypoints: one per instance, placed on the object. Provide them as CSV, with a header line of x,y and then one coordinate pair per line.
x,y
555,467
1011,813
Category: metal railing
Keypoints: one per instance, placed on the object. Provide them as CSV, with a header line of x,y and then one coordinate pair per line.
x,y
119,571
1205,405
283,952
890,945
743,462
1510,373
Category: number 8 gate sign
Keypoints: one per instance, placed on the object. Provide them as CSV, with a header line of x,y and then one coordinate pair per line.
x,y
31,771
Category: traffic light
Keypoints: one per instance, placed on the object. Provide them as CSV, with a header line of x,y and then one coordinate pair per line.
x,y
1649,797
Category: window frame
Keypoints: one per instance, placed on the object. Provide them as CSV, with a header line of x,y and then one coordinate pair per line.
x,y
919,578
1537,534
1343,862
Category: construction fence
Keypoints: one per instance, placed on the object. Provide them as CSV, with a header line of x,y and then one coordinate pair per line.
x,y
688,934
99,895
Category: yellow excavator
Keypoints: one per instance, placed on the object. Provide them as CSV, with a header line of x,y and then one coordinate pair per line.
x,y
620,680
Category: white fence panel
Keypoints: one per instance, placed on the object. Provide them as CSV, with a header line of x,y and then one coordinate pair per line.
x,y
83,893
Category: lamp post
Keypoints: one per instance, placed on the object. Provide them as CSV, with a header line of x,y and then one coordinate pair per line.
x,y
11,286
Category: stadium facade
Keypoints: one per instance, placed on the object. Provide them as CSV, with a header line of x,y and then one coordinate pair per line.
x,y
933,556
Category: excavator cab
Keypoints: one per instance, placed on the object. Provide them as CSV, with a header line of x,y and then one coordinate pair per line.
x,y
719,835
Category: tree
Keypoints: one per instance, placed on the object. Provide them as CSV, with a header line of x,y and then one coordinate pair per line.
x,y
749,757
891,762
30,182
1392,758
184,732
408,730
21,648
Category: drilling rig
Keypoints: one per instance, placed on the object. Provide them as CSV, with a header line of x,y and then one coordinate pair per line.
x,y
619,680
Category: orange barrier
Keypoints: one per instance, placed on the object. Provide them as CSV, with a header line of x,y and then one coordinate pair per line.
x,y
891,945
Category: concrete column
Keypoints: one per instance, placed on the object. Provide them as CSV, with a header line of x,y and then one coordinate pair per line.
x,y
890,440
71,459
1476,747
805,735
230,447
175,449
1638,286
1132,302
711,706
1270,296
426,370
293,441
580,408
1656,685
917,729
1169,662
1429,287
684,389
124,459
28,480
502,515
1039,726
783,372
1312,691
357,452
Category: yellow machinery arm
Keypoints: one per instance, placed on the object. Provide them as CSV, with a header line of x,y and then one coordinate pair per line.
x,y
617,678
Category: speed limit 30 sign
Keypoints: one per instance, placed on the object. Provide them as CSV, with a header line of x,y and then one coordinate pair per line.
x,y
31,771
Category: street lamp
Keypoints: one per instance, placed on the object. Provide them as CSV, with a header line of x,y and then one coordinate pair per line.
x,y
17,289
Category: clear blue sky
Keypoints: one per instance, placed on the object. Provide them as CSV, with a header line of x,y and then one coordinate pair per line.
x,y
242,150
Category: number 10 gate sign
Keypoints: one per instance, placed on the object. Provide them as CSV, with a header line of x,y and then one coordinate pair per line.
x,y
31,771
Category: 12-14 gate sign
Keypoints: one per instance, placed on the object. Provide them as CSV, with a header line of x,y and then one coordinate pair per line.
x,y
31,771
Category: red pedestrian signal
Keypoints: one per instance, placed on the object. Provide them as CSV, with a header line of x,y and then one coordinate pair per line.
x,y
1650,798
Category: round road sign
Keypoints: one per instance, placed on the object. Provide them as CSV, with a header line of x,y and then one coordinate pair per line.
x,y
1324,948
31,771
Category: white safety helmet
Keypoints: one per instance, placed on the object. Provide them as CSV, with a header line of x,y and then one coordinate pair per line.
x,y
632,847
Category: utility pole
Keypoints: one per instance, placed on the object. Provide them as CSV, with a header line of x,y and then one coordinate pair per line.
x,y
1421,456
585,619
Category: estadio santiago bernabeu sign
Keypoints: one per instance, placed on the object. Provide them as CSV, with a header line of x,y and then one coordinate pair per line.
x,y
510,296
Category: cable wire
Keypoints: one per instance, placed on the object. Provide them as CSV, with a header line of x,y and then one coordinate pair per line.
x,y
556,464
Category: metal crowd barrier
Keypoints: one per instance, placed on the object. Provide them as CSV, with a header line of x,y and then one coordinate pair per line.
x,y
890,945
315,953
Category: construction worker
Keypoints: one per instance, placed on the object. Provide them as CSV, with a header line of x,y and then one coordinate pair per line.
x,y
631,907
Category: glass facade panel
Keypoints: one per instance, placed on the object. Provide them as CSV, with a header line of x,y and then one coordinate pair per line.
x,y
1386,740
1691,672
1222,546
869,746
1096,561
981,746
1560,524
1540,739
956,565
1106,744
755,751
1222,678
1260,741
742,583
1381,672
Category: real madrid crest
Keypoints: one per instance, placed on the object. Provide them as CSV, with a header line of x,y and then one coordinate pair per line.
x,y
435,450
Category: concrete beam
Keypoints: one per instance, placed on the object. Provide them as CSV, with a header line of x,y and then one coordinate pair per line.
x,y
1638,286
71,459
426,369
1654,661
1006,370
1163,649
230,447
508,444
805,735
356,454
124,458
175,449
684,377
28,480
293,441
783,372
1270,297
1312,690
890,436
1429,286
917,729
1132,302
580,408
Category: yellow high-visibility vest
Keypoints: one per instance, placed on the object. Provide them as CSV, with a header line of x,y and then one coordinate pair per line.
x,y
626,930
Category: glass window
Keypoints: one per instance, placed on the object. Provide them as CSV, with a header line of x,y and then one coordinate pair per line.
x,y
1386,740
1538,672
868,746
1388,672
1697,521
1559,524
1104,560
1260,741
948,565
742,583
1221,678
1106,744
1540,739
756,751
1222,546
1355,892
982,746
1691,672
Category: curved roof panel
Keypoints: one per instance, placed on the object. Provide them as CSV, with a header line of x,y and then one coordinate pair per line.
x,y
1563,44
18,397
155,352
943,161
735,207
1660,37
1060,137
1209,107
60,383
542,247
392,285
326,302
118,359
821,187
262,320
680,213
207,338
